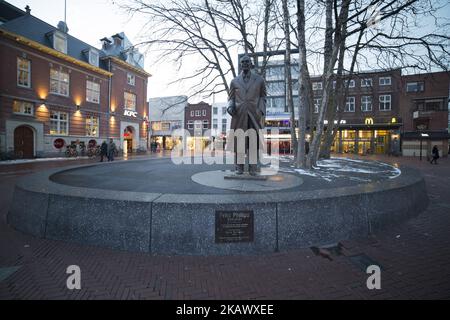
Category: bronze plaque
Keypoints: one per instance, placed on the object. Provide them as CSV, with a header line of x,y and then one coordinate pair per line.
x,y
234,226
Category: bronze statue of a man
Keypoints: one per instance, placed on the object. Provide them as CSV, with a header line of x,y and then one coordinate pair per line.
x,y
247,106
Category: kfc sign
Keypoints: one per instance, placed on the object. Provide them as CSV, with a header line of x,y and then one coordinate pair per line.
x,y
130,113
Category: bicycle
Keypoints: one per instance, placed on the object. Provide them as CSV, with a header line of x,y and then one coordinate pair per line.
x,y
71,151
93,152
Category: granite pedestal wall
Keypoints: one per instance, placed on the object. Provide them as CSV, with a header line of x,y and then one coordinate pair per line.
x,y
169,224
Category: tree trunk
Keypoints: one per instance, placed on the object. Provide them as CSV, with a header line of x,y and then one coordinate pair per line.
x,y
303,78
288,76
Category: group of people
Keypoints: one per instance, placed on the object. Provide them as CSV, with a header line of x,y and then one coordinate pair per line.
x,y
108,150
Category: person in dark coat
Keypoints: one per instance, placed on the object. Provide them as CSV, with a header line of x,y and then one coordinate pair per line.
x,y
435,155
111,150
103,150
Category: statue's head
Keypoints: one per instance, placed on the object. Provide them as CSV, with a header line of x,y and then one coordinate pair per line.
x,y
246,63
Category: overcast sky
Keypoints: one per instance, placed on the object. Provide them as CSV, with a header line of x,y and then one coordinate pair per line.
x,y
91,20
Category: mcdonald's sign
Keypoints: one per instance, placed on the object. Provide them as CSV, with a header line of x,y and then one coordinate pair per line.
x,y
369,121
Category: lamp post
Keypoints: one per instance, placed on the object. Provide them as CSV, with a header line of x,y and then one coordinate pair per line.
x,y
422,135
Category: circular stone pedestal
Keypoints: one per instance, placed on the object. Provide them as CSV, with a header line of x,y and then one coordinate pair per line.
x,y
225,179
157,207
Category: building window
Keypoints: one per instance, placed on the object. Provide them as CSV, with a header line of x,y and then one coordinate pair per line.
x,y
92,126
224,111
224,125
215,111
350,105
156,125
415,87
385,81
23,107
205,124
366,82
435,105
204,113
350,83
215,124
93,58
59,82
317,103
198,125
130,101
59,122
165,126
197,113
385,102
190,124
317,86
131,79
23,73
60,42
276,88
92,92
192,113
366,103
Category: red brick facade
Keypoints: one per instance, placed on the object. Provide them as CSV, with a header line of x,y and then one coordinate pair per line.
x,y
109,112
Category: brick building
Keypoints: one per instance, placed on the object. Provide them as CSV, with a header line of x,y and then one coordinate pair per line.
x,y
56,90
197,119
424,103
385,112
371,118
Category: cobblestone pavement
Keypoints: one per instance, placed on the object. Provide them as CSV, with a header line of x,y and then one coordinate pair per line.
x,y
414,257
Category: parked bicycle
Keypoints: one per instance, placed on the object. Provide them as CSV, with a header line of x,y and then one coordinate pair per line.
x,y
93,151
71,151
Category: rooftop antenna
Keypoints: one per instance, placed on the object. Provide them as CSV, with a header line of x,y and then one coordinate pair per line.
x,y
65,12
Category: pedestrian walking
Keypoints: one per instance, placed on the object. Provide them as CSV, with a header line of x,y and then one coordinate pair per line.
x,y
111,150
103,150
435,155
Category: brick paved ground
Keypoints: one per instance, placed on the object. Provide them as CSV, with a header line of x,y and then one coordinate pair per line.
x,y
415,258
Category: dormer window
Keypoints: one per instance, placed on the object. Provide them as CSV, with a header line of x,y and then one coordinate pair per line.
x,y
93,57
60,42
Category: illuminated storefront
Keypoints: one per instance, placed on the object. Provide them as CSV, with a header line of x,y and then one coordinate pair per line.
x,y
371,139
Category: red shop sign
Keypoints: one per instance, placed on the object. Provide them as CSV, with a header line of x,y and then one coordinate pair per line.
x,y
59,143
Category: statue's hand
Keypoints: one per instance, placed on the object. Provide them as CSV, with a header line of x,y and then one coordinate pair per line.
x,y
231,109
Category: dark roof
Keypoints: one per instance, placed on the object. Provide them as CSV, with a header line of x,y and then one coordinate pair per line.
x,y
432,135
39,31
9,12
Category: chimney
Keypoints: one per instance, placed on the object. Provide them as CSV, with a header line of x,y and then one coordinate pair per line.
x,y
62,26
106,43
117,40
28,9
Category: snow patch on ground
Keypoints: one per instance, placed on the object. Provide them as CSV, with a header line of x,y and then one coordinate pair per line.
x,y
339,168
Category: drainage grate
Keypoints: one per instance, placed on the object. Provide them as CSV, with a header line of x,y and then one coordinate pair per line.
x,y
6,272
362,261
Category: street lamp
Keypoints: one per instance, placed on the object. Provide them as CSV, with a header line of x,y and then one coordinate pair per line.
x,y
422,135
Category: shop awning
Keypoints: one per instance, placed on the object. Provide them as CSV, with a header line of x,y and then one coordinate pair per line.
x,y
425,135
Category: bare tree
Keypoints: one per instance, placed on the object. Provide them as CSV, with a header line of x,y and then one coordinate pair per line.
x,y
288,74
